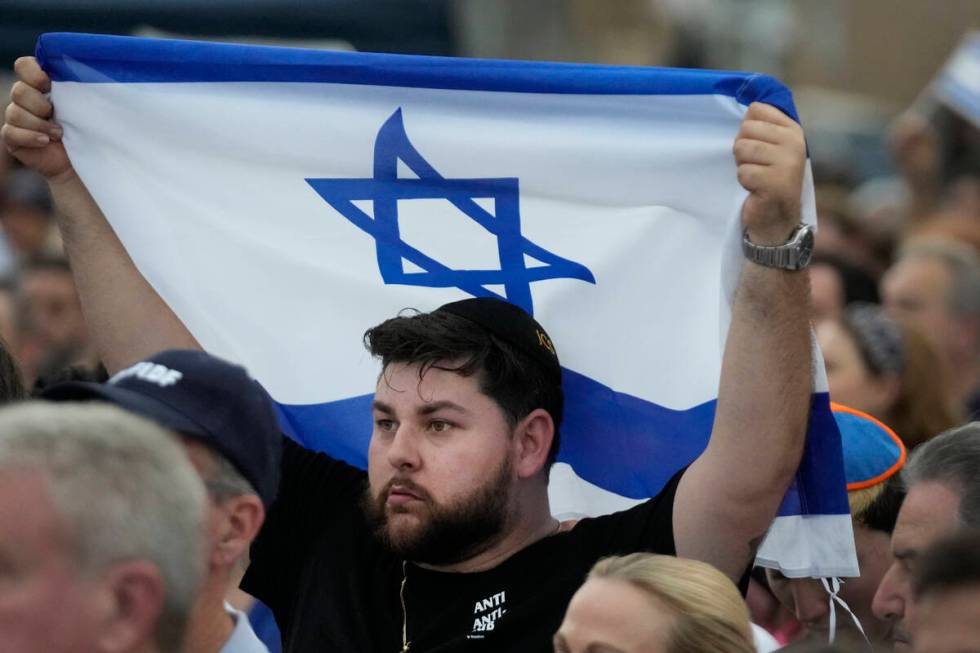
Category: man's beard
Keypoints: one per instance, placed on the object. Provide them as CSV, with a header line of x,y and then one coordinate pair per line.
x,y
445,534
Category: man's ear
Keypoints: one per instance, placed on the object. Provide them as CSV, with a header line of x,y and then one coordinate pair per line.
x,y
135,602
533,437
244,516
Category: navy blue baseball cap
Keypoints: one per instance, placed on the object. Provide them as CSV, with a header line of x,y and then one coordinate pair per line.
x,y
202,397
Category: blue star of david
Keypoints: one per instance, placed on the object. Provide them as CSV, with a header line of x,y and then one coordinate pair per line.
x,y
386,189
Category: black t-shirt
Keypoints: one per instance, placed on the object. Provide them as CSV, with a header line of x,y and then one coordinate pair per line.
x,y
333,587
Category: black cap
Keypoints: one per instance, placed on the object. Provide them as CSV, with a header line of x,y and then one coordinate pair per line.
x,y
200,396
511,324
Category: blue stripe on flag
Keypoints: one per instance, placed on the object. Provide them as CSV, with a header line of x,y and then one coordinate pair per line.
x,y
92,58
611,439
819,487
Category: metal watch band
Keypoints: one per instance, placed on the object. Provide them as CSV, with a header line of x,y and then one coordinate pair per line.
x,y
793,255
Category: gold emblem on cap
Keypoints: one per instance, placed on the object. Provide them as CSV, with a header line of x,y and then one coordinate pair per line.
x,y
545,342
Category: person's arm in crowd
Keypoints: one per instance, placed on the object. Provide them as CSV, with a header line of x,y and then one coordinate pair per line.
x,y
729,496
127,318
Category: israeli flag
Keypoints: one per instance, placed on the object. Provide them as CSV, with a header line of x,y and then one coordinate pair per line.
x,y
282,201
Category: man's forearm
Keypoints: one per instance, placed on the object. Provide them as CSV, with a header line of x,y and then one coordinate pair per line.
x,y
126,317
765,390
729,495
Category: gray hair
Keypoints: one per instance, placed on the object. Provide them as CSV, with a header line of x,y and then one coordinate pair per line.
x,y
951,458
963,264
124,489
226,481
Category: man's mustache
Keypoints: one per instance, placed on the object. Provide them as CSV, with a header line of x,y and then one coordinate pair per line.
x,y
403,485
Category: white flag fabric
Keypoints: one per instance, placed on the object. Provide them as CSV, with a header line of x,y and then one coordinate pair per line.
x,y
958,83
283,201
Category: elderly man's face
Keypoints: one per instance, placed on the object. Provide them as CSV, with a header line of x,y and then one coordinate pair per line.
x,y
930,511
45,604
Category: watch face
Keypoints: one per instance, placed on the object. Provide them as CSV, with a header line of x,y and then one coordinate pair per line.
x,y
806,247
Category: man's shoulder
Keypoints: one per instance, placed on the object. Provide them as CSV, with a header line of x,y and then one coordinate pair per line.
x,y
311,469
317,509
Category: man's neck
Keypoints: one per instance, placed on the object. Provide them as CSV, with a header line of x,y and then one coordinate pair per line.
x,y
210,625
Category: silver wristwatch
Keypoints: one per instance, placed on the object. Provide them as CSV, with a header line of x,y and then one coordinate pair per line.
x,y
794,254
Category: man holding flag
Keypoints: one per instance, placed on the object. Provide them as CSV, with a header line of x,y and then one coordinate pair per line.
x,y
453,545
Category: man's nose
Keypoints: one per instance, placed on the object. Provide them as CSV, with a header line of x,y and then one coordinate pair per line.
x,y
888,603
402,451
810,601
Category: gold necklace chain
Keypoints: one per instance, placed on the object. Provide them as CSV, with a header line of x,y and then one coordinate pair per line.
x,y
401,595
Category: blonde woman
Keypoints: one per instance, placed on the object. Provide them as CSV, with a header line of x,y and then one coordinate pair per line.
x,y
646,603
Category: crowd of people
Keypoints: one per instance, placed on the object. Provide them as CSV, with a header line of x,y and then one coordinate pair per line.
x,y
131,505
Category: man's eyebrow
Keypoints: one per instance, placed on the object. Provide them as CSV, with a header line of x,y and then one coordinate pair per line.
x,y
427,409
437,406
905,554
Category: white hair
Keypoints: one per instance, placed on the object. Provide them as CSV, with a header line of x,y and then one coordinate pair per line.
x,y
124,490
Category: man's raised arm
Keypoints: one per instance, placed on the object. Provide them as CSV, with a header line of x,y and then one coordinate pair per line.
x,y
730,494
127,318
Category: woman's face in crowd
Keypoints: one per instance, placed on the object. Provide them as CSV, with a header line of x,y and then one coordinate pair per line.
x,y
809,602
609,615
850,381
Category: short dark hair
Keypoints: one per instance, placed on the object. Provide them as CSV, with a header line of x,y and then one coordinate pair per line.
x,y
442,340
950,564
